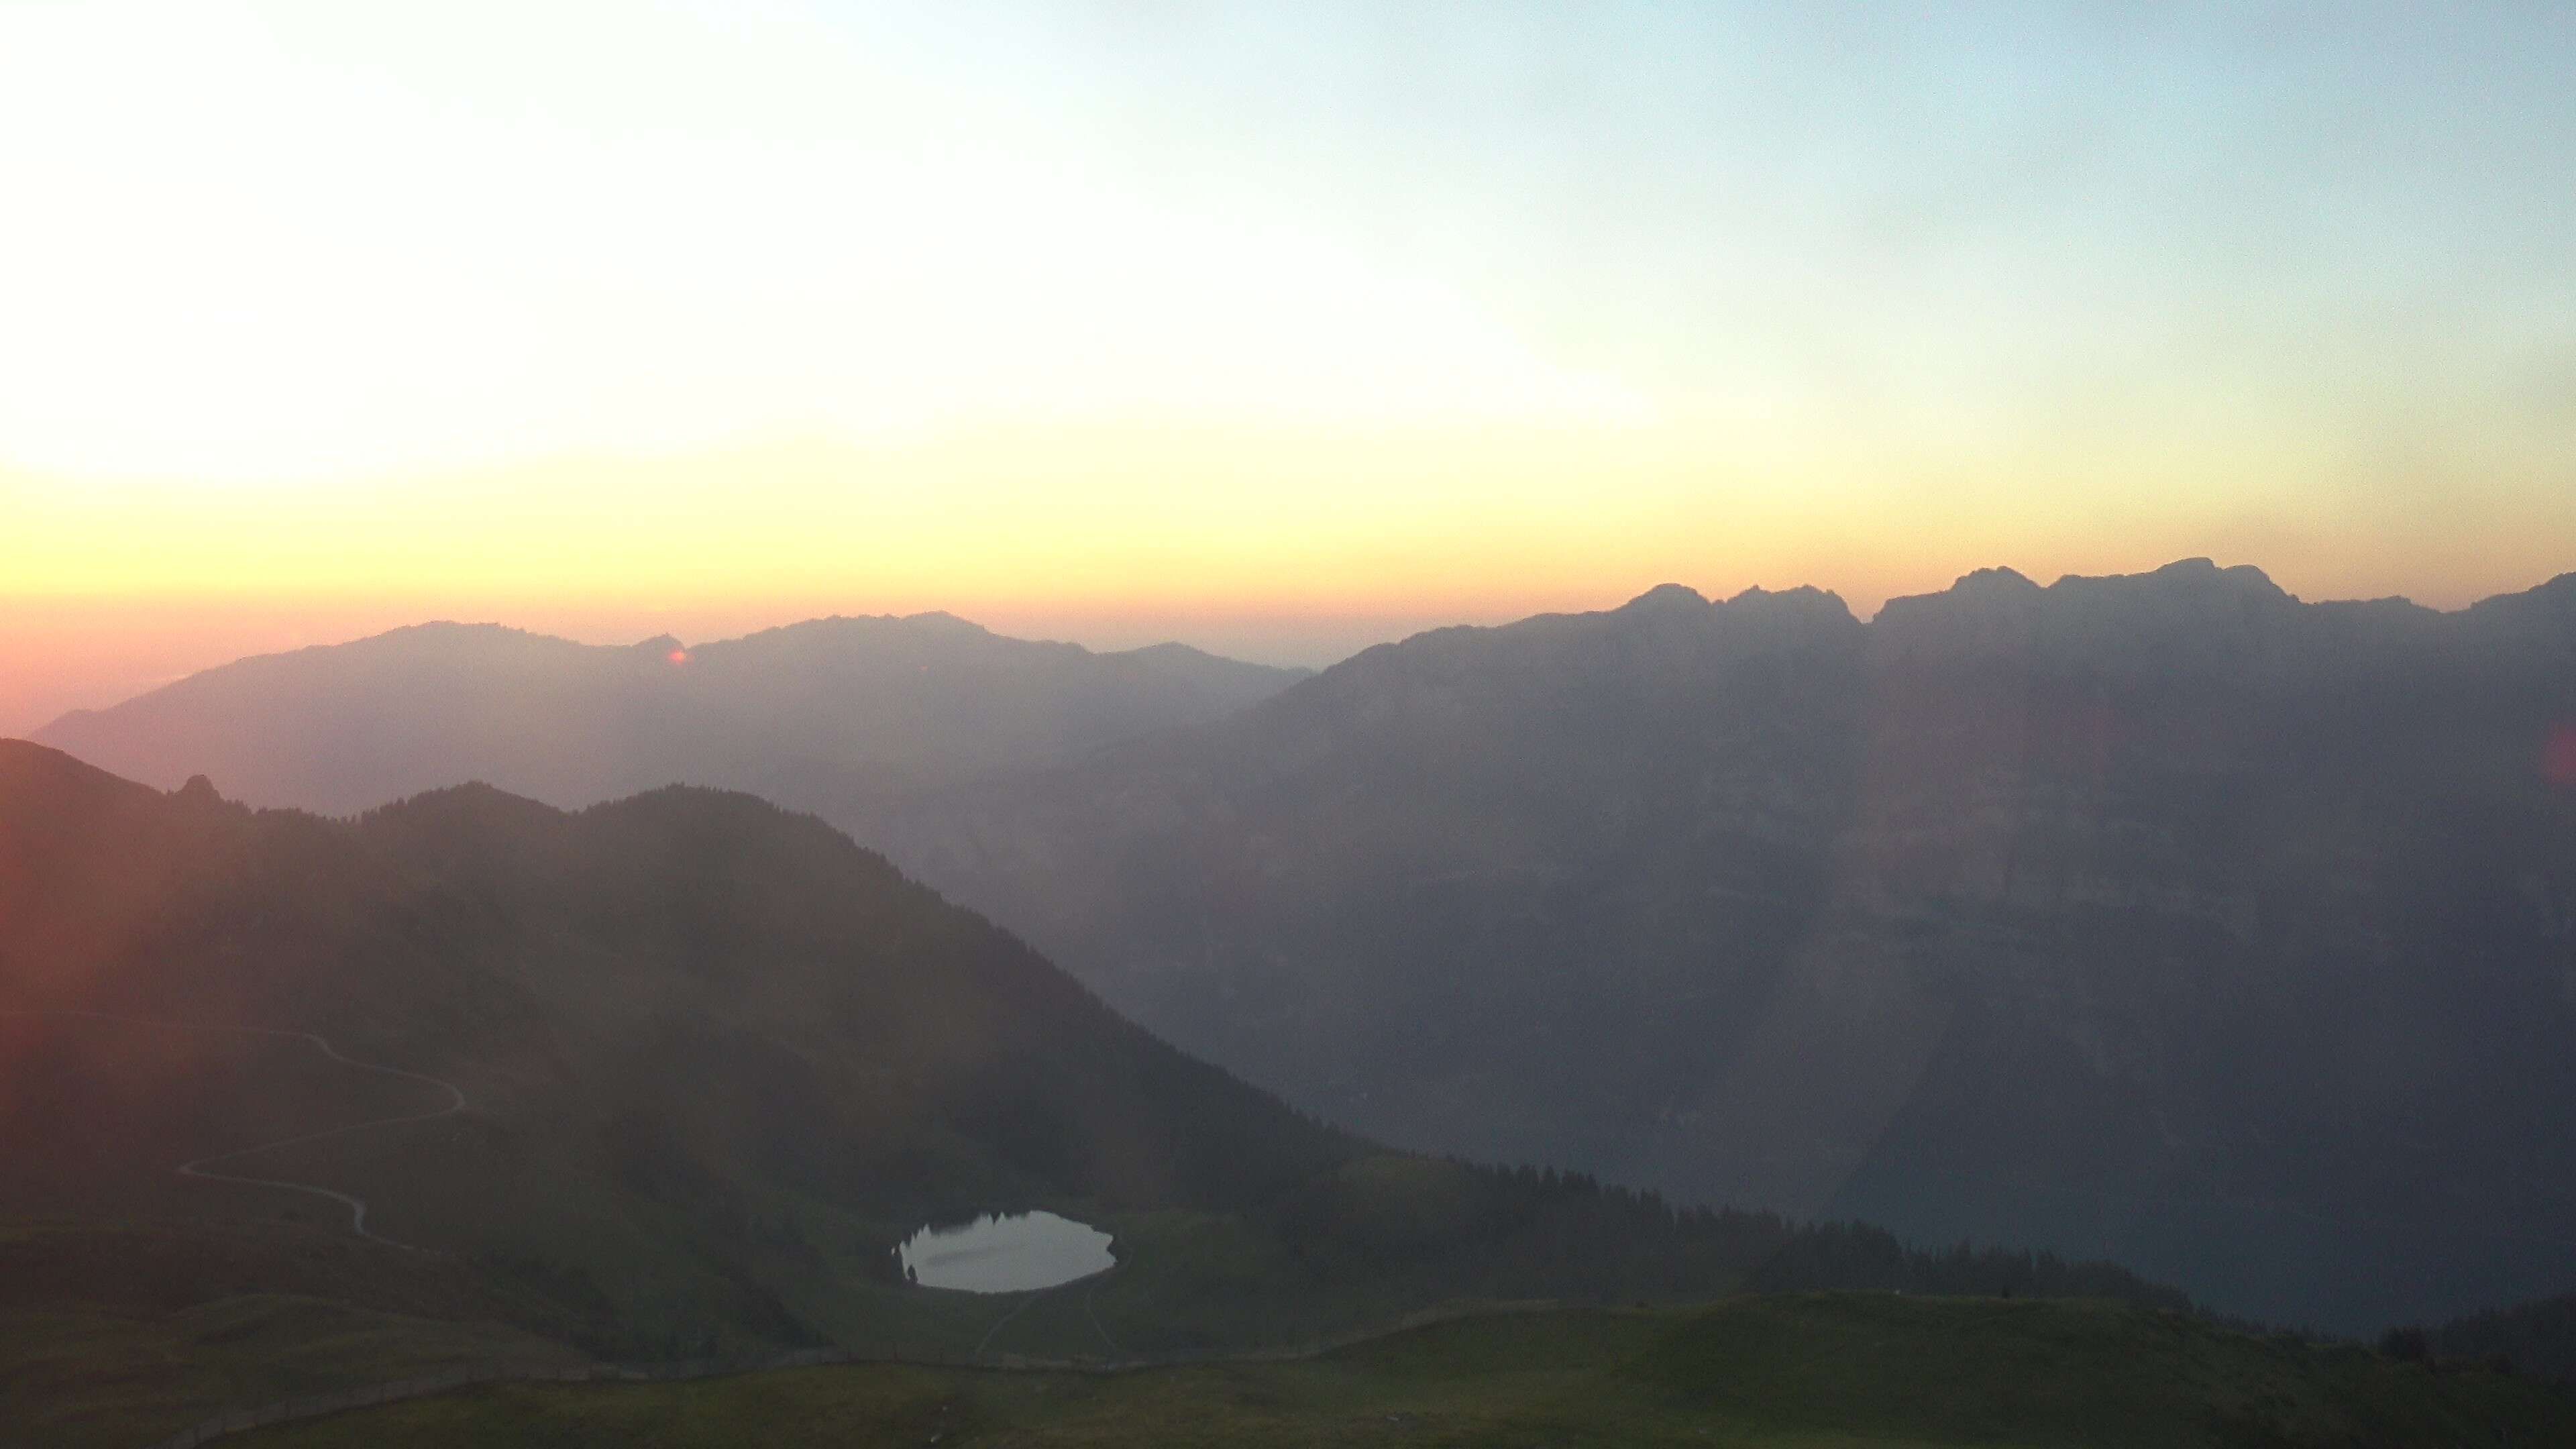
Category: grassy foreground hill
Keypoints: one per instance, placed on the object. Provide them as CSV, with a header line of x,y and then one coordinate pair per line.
x,y
1809,1370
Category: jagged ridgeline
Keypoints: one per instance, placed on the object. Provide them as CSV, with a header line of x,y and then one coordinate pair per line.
x,y
2164,917
717,1060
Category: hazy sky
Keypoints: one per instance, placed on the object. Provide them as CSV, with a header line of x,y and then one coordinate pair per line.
x,y
1274,328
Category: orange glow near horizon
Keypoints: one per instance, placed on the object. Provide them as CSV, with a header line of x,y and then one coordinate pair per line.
x,y
2558,757
1292,547
1279,544
1144,522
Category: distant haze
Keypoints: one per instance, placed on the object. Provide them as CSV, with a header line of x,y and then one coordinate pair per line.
x,y
84,652
827,713
61,655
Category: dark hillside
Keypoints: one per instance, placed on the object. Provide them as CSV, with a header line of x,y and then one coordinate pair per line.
x,y
715,1060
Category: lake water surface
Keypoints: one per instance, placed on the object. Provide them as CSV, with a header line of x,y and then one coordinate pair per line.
x,y
1007,1254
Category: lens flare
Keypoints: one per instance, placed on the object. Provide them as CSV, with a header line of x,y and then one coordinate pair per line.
x,y
2558,757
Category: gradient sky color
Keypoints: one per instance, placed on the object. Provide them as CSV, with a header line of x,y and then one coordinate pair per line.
x,y
1279,329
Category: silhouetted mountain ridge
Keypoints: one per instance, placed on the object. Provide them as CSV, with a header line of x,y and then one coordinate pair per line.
x,y
829,711
2165,913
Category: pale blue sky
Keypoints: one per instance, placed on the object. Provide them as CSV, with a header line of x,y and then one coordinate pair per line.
x,y
652,223
1114,320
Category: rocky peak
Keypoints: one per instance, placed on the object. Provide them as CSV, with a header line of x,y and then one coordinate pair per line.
x,y
1805,599
2189,609
1800,616
1994,583
1991,611
2202,578
1667,599
941,622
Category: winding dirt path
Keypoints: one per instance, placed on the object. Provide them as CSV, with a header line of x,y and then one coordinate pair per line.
x,y
1021,1307
1088,1312
200,1168
1032,1295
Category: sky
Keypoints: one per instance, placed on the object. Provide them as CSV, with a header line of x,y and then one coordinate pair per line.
x,y
1277,329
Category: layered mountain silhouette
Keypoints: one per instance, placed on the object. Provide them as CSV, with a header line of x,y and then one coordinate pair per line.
x,y
828,712
2163,916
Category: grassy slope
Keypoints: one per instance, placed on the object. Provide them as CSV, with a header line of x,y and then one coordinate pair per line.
x,y
113,1334
1813,1370
79,1377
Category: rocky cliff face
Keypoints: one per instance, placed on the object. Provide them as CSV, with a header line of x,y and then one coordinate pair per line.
x,y
2165,915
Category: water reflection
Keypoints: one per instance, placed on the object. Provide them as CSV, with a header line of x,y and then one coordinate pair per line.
x,y
999,1254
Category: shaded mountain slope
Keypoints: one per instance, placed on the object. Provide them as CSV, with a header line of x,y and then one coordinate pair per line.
x,y
685,1022
717,1061
2537,1338
2163,915
830,710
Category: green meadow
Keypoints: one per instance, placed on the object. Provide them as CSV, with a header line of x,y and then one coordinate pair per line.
x,y
1843,1370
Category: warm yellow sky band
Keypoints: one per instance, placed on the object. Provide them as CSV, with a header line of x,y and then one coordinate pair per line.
x,y
1152,520
1291,544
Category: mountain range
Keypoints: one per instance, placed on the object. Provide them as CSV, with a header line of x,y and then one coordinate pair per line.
x,y
827,713
2162,917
